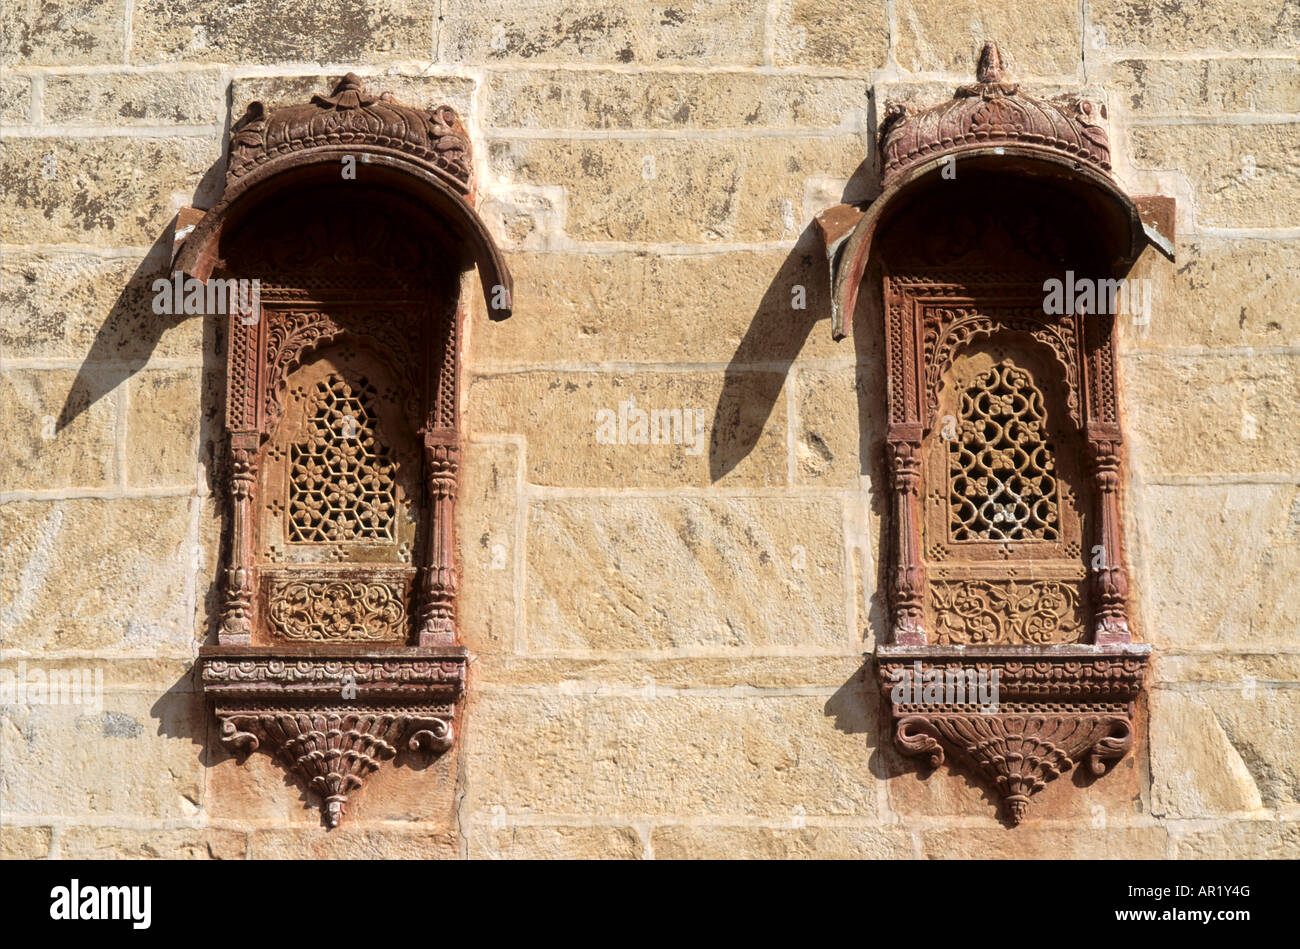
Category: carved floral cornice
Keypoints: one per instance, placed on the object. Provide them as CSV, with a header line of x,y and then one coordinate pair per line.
x,y
993,111
352,116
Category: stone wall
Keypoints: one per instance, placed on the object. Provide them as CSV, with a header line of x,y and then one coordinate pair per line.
x,y
667,640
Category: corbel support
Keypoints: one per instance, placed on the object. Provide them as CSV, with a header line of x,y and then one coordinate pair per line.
x,y
330,717
1017,716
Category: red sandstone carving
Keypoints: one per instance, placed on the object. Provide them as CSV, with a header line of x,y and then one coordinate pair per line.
x,y
337,645
993,111
1004,445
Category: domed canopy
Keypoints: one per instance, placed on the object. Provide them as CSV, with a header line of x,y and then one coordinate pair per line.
x,y
995,130
993,111
352,116
422,153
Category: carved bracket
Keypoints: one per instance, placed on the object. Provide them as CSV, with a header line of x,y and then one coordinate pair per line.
x,y
332,718
1018,718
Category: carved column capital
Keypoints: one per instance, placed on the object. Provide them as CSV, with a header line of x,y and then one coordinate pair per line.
x,y
441,466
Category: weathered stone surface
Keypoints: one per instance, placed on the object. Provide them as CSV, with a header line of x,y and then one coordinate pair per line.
x,y
717,32
1241,175
184,97
1216,565
54,436
724,672
78,760
1079,841
25,842
742,441
740,307
826,33
314,31
563,99
498,839
113,191
1196,771
98,574
1251,24
1236,669
60,33
1210,86
799,840
162,427
623,755
1221,293
1201,414
487,509
1234,840
837,431
1260,720
159,843
354,842
645,574
415,90
707,191
1037,40
15,100
87,306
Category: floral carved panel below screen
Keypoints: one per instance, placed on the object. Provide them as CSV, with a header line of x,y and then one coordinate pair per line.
x,y
338,610
995,612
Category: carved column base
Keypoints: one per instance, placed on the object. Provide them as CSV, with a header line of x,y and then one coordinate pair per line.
x,y
1112,630
331,717
1016,716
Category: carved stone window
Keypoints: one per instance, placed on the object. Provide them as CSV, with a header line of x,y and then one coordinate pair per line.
x,y
1002,489
337,646
1004,440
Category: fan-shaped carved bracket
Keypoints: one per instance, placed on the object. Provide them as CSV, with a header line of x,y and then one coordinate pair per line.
x,y
1016,717
331,718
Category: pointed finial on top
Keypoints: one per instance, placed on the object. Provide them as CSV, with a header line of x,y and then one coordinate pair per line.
x,y
990,64
350,83
350,93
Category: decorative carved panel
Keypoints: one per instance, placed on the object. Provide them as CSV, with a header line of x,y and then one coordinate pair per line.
x,y
337,645
1003,446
